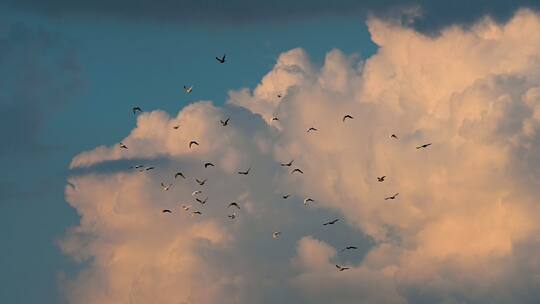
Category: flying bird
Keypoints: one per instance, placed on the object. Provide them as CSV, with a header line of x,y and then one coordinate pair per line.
x,y
332,222
197,212
176,127
297,170
286,196
201,182
233,204
423,146
381,179
165,187
347,116
341,268
149,168
391,197
232,216
206,165
276,235
349,248
136,109
196,192
394,136
71,185
275,118
166,211
278,95
202,202
222,59
225,122
188,89
244,172
186,207
177,174
311,129
307,200
122,146
191,143
287,164
136,167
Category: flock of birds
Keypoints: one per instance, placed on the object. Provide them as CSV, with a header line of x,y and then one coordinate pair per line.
x,y
196,194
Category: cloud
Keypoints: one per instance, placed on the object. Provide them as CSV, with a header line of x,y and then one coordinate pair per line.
x,y
463,228
434,15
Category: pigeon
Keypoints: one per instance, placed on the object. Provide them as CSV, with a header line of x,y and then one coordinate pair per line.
x,y
287,164
202,202
307,200
122,146
391,197
381,179
196,192
177,174
188,89
201,182
297,170
166,211
222,59
349,248
206,165
286,196
136,109
341,268
232,216
225,122
347,116
311,129
394,136
165,187
423,146
244,172
276,235
332,222
233,204
191,143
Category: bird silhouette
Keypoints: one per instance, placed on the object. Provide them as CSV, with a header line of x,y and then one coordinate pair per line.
x,y
233,204
307,200
191,143
381,179
341,268
197,212
222,59
297,170
188,89
287,164
149,168
186,207
311,129
391,197
423,146
286,196
275,118
394,136
179,174
225,122
176,127
332,222
201,182
200,201
276,235
165,187
136,109
232,216
347,116
166,211
206,165
349,248
196,192
123,146
244,172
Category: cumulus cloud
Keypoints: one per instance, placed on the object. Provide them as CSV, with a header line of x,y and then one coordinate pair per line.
x,y
463,229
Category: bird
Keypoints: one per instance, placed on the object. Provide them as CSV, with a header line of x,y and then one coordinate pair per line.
x,y
233,204
276,235
191,143
202,202
72,185
332,222
165,187
341,268
188,89
423,146
307,200
225,122
176,127
136,167
232,216
149,168
391,197
206,165
196,192
201,182
297,170
166,211
349,248
394,136
136,109
311,129
287,164
177,174
381,179
275,118
222,59
197,212
347,116
286,196
244,172
186,207
278,95
123,146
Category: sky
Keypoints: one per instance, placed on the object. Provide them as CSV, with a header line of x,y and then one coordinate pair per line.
x,y
79,226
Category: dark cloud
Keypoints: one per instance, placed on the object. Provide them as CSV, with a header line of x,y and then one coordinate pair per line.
x,y
435,14
38,72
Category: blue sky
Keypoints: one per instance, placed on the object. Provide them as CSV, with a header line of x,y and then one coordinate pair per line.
x,y
123,64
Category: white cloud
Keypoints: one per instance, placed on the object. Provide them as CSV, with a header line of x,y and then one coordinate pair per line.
x,y
463,228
